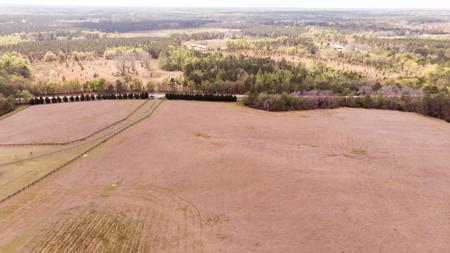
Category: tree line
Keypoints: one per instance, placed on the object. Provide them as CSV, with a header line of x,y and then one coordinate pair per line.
x,y
437,105
35,50
202,97
197,36
87,97
143,25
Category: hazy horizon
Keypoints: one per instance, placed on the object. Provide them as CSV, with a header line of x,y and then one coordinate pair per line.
x,y
246,4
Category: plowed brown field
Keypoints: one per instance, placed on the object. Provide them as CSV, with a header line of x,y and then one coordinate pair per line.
x,y
216,177
64,122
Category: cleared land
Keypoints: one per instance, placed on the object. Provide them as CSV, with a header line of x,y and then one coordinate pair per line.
x,y
214,177
107,69
169,32
65,122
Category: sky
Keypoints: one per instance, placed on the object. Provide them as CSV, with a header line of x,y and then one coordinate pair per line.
x,y
381,4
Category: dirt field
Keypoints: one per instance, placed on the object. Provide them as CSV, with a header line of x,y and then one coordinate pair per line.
x,y
21,166
215,177
58,123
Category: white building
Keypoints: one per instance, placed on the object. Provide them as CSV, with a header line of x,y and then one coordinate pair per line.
x,y
338,47
199,47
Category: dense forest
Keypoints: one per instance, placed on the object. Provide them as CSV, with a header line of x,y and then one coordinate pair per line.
x,y
35,50
145,25
235,73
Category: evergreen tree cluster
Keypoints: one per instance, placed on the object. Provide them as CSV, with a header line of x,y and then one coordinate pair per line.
x,y
87,97
202,97
237,74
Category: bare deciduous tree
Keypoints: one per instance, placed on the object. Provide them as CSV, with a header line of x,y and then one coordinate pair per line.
x,y
125,64
146,60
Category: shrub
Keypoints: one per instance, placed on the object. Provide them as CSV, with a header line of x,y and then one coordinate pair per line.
x,y
50,56
7,104
65,99
144,95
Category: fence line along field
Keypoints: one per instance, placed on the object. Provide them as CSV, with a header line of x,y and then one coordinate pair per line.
x,y
219,177
23,166
63,122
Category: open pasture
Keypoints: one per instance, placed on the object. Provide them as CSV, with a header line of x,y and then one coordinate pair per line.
x,y
21,166
107,69
213,177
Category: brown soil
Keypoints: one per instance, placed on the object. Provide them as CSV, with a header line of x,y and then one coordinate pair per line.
x,y
215,177
57,123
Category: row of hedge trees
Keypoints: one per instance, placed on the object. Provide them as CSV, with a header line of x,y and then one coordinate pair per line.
x,y
202,97
430,105
82,97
